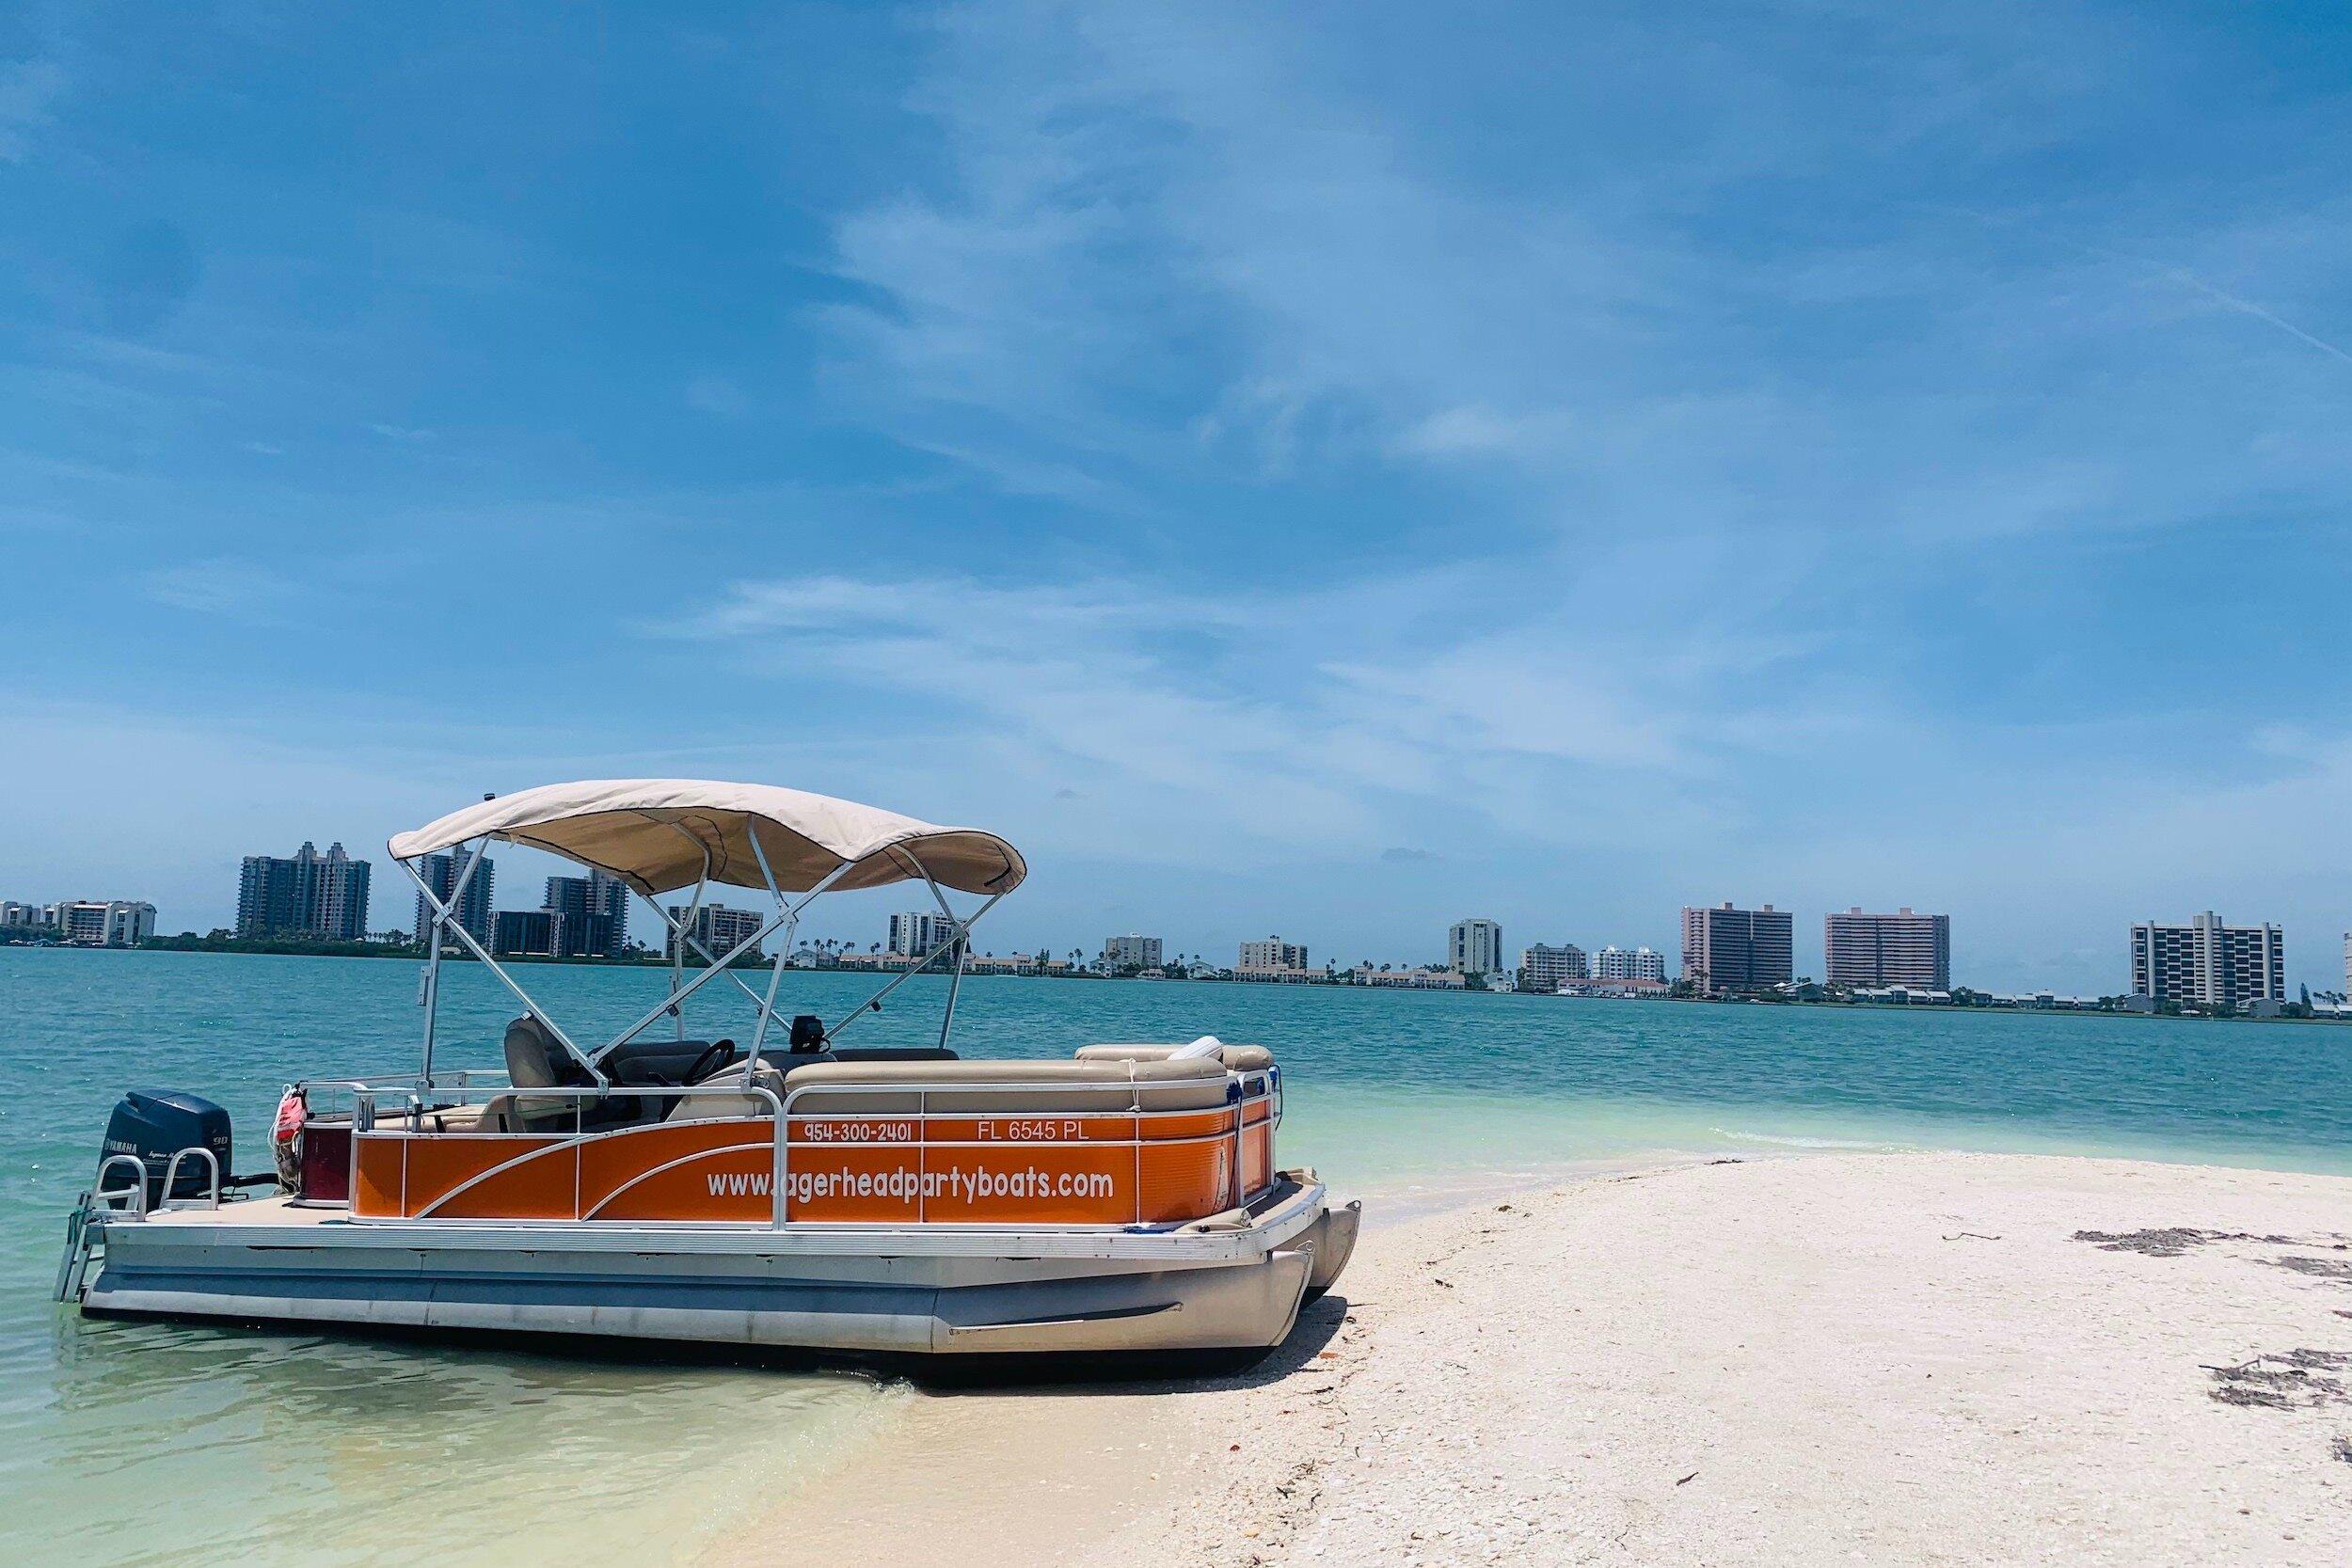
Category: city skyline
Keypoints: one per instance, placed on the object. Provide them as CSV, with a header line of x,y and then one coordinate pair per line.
x,y
1899,943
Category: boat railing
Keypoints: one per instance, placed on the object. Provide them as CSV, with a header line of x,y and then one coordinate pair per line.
x,y
1238,1095
406,1106
415,1109
210,1198
136,1192
393,1083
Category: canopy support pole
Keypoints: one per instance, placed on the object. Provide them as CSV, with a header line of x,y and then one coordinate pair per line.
x,y
677,951
964,956
719,965
679,931
784,950
433,959
872,1003
466,938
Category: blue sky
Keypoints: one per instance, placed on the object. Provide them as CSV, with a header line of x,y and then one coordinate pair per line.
x,y
1301,468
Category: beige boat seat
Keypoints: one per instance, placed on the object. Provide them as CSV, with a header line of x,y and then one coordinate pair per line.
x,y
1237,1058
721,1107
895,1088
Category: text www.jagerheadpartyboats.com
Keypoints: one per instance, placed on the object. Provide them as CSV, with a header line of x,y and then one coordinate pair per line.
x,y
955,1183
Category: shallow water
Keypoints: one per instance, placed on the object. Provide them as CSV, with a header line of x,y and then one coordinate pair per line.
x,y
132,1443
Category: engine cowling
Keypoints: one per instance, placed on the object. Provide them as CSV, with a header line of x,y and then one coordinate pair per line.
x,y
152,1126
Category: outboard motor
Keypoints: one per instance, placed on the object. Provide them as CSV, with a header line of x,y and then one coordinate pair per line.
x,y
153,1125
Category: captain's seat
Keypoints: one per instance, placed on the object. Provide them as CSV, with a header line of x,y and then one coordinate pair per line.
x,y
536,1059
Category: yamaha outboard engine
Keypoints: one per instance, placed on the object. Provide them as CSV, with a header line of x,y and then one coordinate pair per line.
x,y
152,1126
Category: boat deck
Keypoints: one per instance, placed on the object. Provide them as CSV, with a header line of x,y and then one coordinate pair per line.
x,y
258,1211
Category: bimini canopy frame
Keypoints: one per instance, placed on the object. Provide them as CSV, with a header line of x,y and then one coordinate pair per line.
x,y
659,835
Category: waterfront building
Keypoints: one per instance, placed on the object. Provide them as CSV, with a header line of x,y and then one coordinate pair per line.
x,y
1545,968
552,933
1728,949
28,917
2347,963
528,933
1131,952
303,895
1411,979
1614,963
596,914
1622,990
1900,949
918,935
2209,964
718,929
1475,947
102,921
442,873
1287,976
1273,954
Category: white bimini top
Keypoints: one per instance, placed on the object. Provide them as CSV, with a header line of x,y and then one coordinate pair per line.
x,y
662,835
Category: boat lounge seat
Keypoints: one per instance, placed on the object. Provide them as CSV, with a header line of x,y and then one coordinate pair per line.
x,y
1237,1058
898,1087
895,1087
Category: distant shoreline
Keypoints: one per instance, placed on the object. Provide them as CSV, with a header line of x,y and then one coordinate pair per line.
x,y
652,961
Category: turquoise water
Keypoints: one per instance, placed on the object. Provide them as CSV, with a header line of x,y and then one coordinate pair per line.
x,y
139,1443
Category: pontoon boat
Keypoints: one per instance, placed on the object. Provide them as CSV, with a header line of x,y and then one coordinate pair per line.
x,y
791,1192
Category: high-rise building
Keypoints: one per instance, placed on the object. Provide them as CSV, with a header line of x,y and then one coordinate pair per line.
x,y
2347,963
1272,953
596,914
28,917
1475,947
918,935
1131,952
551,933
1899,949
1543,968
1615,963
104,922
718,929
442,873
1727,949
531,933
2208,962
306,894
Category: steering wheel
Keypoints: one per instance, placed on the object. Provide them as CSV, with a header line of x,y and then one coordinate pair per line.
x,y
713,1058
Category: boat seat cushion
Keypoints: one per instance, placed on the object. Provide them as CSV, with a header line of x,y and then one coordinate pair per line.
x,y
722,1107
536,1060
1237,1058
899,1087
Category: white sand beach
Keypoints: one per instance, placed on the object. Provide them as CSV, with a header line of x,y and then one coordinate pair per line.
x,y
1906,1358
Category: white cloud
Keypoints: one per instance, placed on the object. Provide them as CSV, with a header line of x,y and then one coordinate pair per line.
x,y
1471,431
1322,720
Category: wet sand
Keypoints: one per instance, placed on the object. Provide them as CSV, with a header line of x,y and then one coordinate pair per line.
x,y
1907,1358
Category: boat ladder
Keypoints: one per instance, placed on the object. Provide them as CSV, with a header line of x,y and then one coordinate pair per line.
x,y
86,1226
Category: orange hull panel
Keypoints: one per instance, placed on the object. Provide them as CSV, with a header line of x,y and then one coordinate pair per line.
x,y
1092,1169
